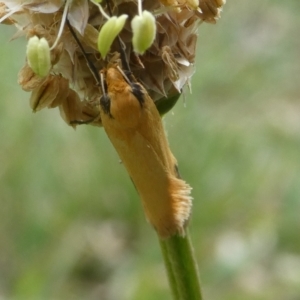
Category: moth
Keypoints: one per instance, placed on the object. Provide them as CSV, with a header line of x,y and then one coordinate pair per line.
x,y
134,127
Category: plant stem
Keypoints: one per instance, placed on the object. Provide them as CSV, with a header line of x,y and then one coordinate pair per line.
x,y
181,267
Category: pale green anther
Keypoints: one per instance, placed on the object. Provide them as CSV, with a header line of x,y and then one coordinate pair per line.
x,y
38,56
144,31
109,32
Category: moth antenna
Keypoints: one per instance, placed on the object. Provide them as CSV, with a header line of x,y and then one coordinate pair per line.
x,y
89,63
124,75
124,60
102,84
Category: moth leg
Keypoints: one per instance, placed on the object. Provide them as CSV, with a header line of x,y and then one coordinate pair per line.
x,y
81,122
90,119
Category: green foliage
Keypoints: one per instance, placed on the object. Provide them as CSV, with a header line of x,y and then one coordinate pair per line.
x,y
71,223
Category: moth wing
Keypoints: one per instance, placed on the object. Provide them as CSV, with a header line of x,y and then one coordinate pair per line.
x,y
166,199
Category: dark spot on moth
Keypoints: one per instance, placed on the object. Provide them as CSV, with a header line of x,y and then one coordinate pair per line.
x,y
105,104
138,92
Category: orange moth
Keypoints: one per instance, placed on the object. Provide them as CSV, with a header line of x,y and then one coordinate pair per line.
x,y
134,126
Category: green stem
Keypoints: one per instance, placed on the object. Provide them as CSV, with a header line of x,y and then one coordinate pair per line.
x,y
181,267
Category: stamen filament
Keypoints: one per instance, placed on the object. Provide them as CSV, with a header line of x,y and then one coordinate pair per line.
x,y
62,24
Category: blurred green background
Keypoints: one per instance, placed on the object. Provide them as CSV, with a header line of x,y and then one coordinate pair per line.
x,y
71,223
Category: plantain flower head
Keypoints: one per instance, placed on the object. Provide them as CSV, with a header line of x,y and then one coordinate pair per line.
x,y
56,72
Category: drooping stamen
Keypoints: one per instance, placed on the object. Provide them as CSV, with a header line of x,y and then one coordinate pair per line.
x,y
62,24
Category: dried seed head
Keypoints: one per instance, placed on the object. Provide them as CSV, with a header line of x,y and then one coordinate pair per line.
x,y
90,37
62,93
4,18
44,94
28,80
170,63
71,108
210,10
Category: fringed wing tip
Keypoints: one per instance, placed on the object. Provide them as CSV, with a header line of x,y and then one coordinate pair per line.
x,y
181,205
